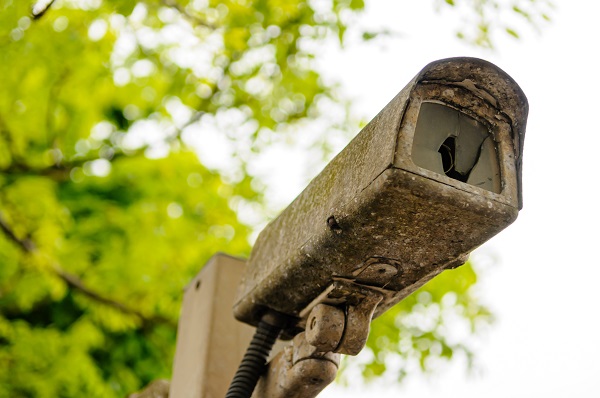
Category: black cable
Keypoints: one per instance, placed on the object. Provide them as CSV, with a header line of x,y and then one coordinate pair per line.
x,y
254,361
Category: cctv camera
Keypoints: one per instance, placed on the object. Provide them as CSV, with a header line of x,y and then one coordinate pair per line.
x,y
433,176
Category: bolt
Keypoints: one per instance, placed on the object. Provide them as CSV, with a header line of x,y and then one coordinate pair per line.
x,y
333,225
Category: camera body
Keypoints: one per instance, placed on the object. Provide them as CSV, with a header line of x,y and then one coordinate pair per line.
x,y
433,176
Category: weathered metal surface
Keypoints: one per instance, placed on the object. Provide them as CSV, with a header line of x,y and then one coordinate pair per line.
x,y
358,324
372,202
325,327
298,371
377,272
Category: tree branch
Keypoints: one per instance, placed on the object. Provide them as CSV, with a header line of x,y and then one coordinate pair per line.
x,y
194,20
40,8
77,284
61,171
28,246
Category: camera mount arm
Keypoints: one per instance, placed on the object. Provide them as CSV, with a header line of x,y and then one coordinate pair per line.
x,y
298,371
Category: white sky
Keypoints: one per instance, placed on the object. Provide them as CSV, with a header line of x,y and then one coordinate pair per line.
x,y
543,289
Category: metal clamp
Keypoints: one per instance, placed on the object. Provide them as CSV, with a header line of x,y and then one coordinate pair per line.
x,y
329,328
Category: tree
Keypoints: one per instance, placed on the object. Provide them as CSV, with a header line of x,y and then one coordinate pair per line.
x,y
106,211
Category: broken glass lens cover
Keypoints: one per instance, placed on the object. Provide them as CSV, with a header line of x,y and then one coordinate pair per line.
x,y
451,143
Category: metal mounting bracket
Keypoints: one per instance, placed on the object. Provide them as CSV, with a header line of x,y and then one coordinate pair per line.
x,y
298,371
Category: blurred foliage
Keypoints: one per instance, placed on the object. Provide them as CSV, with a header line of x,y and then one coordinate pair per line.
x,y
482,20
106,211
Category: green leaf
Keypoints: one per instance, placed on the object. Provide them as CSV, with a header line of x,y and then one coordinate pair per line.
x,y
357,4
124,7
369,35
512,32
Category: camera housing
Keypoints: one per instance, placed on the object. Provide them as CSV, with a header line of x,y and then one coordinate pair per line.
x,y
433,176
